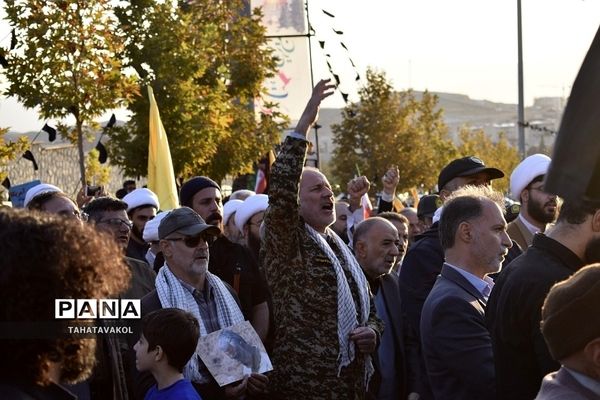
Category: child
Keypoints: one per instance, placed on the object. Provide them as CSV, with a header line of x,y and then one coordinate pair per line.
x,y
169,338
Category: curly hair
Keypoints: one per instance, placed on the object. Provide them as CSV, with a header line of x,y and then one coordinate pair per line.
x,y
45,257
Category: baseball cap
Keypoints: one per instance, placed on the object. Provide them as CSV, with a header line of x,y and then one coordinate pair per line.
x,y
186,221
466,166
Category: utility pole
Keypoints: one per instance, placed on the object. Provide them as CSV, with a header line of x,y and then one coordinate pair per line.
x,y
521,106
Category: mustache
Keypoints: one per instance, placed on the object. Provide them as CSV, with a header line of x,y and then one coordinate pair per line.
x,y
214,217
202,253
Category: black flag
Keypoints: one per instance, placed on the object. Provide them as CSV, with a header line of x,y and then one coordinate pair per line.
x,y
13,39
6,183
102,153
50,131
28,155
574,173
111,121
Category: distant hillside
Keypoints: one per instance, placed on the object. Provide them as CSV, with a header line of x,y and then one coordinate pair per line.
x,y
459,110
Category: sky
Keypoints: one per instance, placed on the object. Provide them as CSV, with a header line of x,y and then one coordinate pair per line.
x,y
455,46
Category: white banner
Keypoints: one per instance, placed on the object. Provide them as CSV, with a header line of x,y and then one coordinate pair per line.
x,y
283,17
290,87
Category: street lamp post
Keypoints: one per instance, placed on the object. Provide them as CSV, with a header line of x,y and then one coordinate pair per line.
x,y
521,107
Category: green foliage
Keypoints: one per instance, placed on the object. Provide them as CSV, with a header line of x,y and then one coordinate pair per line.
x,y
96,173
500,154
10,151
391,128
67,60
206,63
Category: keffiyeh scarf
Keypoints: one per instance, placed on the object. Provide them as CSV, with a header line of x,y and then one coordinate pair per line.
x,y
347,314
171,293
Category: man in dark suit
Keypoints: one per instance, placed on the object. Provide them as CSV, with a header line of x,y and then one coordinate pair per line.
x,y
457,348
376,247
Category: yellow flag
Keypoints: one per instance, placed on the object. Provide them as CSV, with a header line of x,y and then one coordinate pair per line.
x,y
161,177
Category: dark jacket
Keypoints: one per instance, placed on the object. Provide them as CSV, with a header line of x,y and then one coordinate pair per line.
x,y
386,286
137,250
228,259
420,268
457,348
514,313
561,385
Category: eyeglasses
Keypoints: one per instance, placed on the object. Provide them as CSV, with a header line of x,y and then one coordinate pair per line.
x,y
194,241
74,214
116,222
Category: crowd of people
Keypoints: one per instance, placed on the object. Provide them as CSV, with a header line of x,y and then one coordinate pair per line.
x,y
444,300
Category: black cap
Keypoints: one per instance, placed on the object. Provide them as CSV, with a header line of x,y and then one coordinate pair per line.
x,y
428,204
466,166
193,186
186,221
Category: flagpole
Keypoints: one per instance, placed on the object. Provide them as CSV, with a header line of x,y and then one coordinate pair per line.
x,y
310,61
312,84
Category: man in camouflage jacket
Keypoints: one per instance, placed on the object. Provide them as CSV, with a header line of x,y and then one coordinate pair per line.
x,y
314,356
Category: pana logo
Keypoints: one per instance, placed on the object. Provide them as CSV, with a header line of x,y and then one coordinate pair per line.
x,y
97,308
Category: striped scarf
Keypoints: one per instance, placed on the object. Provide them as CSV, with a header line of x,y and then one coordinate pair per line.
x,y
347,314
172,294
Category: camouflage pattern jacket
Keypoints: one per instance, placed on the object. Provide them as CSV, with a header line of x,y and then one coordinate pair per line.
x,y
304,288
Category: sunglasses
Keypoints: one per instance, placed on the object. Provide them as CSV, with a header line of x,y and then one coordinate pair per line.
x,y
194,241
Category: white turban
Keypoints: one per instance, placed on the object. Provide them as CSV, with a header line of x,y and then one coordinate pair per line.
x,y
151,228
252,205
141,197
37,190
241,194
230,208
529,169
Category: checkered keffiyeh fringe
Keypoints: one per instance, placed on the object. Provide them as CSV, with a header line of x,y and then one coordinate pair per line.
x,y
171,293
347,314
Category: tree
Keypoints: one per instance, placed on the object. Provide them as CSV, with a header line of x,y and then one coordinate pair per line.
x,y
391,128
96,173
206,63
66,62
500,154
10,151
541,147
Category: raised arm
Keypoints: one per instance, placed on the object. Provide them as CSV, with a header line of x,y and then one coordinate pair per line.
x,y
281,218
309,116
